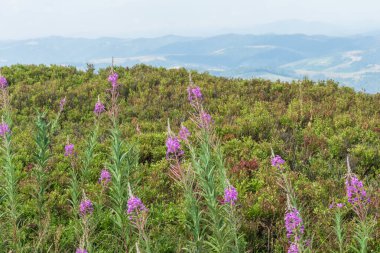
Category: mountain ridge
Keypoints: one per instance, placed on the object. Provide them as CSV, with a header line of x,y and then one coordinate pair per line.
x,y
350,60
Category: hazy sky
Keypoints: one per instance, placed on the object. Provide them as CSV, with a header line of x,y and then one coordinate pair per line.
x,y
135,18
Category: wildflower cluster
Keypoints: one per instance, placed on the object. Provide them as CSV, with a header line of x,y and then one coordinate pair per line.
x,y
277,162
173,147
293,248
99,108
4,129
207,174
357,196
138,215
113,78
356,193
184,133
206,119
337,205
135,206
174,152
194,93
293,224
293,221
69,149
113,110
230,195
105,177
86,207
3,82
62,103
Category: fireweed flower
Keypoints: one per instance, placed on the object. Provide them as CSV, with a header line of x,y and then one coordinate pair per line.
x,y
86,207
194,93
79,250
62,103
205,119
112,78
99,108
105,177
135,205
4,128
173,147
277,161
293,248
356,193
184,133
230,195
339,205
69,149
3,82
293,224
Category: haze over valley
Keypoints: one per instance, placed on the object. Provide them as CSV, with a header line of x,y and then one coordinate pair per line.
x,y
352,60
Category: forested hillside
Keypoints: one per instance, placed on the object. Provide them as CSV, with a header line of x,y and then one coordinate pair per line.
x,y
314,127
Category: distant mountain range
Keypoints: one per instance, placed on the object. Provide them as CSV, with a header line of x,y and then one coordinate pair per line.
x,y
352,60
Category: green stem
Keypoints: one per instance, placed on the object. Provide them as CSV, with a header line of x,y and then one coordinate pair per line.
x,y
339,230
204,169
118,188
89,153
194,214
10,188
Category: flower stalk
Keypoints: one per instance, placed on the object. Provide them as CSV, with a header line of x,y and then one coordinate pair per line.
x,y
185,179
9,173
138,216
120,166
10,187
359,202
210,176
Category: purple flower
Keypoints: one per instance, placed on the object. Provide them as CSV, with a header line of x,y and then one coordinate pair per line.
x,y
205,119
105,177
293,248
194,93
230,195
86,207
112,78
293,223
355,190
184,133
135,205
62,103
69,149
4,128
99,108
277,161
339,205
79,250
3,82
173,147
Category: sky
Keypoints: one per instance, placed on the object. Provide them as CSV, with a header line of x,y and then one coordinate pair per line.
x,y
22,19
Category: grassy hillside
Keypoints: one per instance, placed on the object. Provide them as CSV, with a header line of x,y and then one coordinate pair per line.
x,y
312,126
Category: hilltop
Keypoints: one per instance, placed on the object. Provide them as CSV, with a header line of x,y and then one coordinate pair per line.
x,y
312,125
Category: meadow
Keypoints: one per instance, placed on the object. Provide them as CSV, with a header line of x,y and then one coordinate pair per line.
x,y
148,159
